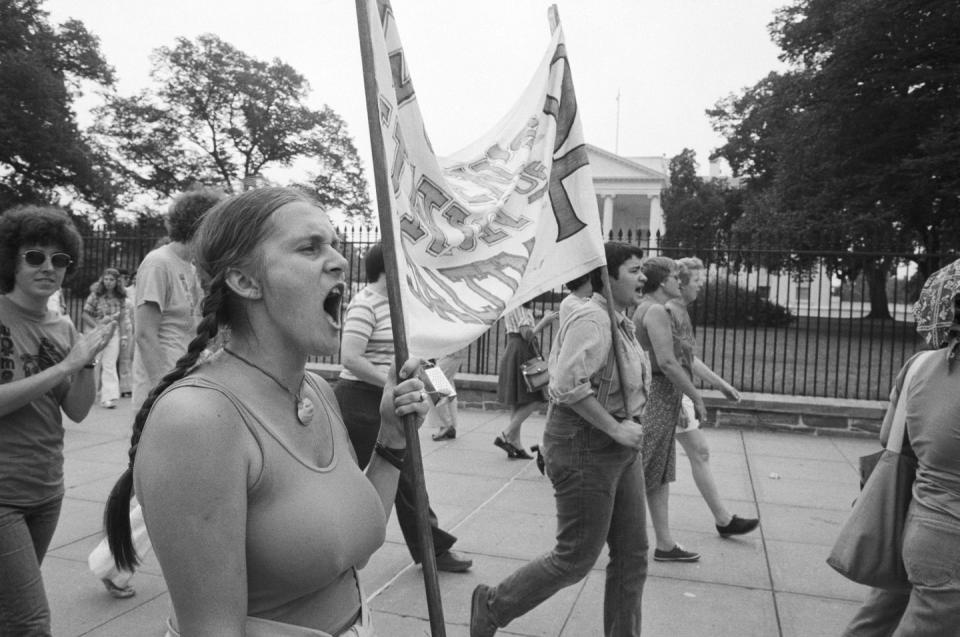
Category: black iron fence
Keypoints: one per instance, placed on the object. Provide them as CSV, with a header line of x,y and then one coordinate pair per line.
x,y
768,321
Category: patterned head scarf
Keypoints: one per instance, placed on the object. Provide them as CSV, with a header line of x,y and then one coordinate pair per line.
x,y
935,310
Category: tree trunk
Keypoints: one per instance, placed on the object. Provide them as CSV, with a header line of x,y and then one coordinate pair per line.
x,y
876,277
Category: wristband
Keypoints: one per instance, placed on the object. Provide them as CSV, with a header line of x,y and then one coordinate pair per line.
x,y
90,366
393,456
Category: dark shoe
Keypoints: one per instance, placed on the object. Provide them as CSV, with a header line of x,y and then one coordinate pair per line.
x,y
541,464
445,434
513,452
480,623
676,554
738,526
120,592
453,562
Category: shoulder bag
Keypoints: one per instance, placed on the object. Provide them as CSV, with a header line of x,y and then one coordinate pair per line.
x,y
868,549
535,372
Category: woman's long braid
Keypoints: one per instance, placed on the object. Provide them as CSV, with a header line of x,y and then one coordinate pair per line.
x,y
116,517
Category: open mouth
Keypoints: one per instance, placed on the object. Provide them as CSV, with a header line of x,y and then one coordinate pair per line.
x,y
333,304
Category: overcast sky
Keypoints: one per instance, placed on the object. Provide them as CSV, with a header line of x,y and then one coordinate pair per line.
x,y
669,60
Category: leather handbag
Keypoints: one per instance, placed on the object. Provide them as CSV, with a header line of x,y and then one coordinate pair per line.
x,y
869,547
536,374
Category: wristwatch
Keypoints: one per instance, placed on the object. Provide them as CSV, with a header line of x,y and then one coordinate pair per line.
x,y
393,456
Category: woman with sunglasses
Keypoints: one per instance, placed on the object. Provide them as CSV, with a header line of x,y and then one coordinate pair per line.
x,y
108,298
46,370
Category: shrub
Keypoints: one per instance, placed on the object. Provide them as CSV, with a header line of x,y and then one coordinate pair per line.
x,y
726,304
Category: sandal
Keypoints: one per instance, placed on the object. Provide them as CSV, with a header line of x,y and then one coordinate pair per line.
x,y
513,452
119,592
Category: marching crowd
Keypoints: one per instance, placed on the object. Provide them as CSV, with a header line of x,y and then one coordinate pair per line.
x,y
263,490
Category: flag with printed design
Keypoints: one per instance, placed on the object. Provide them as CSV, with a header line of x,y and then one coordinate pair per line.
x,y
490,227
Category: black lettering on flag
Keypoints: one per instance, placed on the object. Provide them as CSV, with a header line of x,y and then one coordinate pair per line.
x,y
402,83
565,112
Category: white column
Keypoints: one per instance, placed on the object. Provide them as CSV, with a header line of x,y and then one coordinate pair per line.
x,y
606,220
656,219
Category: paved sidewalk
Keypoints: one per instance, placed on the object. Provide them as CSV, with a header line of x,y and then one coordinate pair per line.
x,y
773,582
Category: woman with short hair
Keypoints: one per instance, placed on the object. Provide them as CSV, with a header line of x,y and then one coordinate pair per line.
x,y
671,358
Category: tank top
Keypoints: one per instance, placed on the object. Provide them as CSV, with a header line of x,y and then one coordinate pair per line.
x,y
684,343
308,527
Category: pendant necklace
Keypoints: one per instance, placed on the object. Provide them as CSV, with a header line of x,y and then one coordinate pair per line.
x,y
304,405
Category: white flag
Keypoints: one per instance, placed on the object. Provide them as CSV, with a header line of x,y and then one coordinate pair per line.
x,y
509,217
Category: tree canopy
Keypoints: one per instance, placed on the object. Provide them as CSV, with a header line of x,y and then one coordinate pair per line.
x,y
218,116
42,150
854,148
697,213
857,142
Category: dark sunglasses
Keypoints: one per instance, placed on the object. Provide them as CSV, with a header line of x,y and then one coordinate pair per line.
x,y
36,258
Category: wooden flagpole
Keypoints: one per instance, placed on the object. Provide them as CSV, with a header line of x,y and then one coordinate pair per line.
x,y
553,15
413,460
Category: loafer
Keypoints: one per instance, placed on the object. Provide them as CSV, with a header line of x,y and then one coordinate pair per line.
x,y
120,592
738,526
445,434
481,625
676,554
453,562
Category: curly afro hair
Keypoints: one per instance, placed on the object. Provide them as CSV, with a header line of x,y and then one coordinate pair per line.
x,y
35,225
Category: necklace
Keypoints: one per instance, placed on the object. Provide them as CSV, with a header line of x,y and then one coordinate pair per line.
x,y
304,405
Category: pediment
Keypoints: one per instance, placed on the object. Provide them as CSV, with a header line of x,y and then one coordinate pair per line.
x,y
605,165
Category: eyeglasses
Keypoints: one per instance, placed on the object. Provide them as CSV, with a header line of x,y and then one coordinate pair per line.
x,y
36,258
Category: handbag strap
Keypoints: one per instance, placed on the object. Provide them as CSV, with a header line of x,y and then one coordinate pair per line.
x,y
898,428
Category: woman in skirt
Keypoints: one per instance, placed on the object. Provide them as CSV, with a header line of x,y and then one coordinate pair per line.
x,y
522,345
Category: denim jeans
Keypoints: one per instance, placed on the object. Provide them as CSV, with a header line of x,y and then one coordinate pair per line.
x,y
931,606
599,492
25,534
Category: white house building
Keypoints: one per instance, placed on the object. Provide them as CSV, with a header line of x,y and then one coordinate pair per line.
x,y
628,191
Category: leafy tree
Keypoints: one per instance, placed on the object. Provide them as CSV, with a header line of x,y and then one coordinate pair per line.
x,y
697,213
218,116
42,151
855,147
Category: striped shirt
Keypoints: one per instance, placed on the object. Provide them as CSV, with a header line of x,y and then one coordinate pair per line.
x,y
368,321
517,318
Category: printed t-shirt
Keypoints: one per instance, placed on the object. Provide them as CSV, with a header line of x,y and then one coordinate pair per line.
x,y
31,438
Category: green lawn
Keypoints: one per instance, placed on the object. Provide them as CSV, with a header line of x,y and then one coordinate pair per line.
x,y
843,358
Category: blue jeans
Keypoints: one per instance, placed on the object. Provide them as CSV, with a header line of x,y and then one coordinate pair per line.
x,y
599,491
25,534
931,606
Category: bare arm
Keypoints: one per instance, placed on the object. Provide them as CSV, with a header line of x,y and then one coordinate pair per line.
x,y
79,397
351,356
193,469
397,401
657,322
704,373
147,336
548,317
